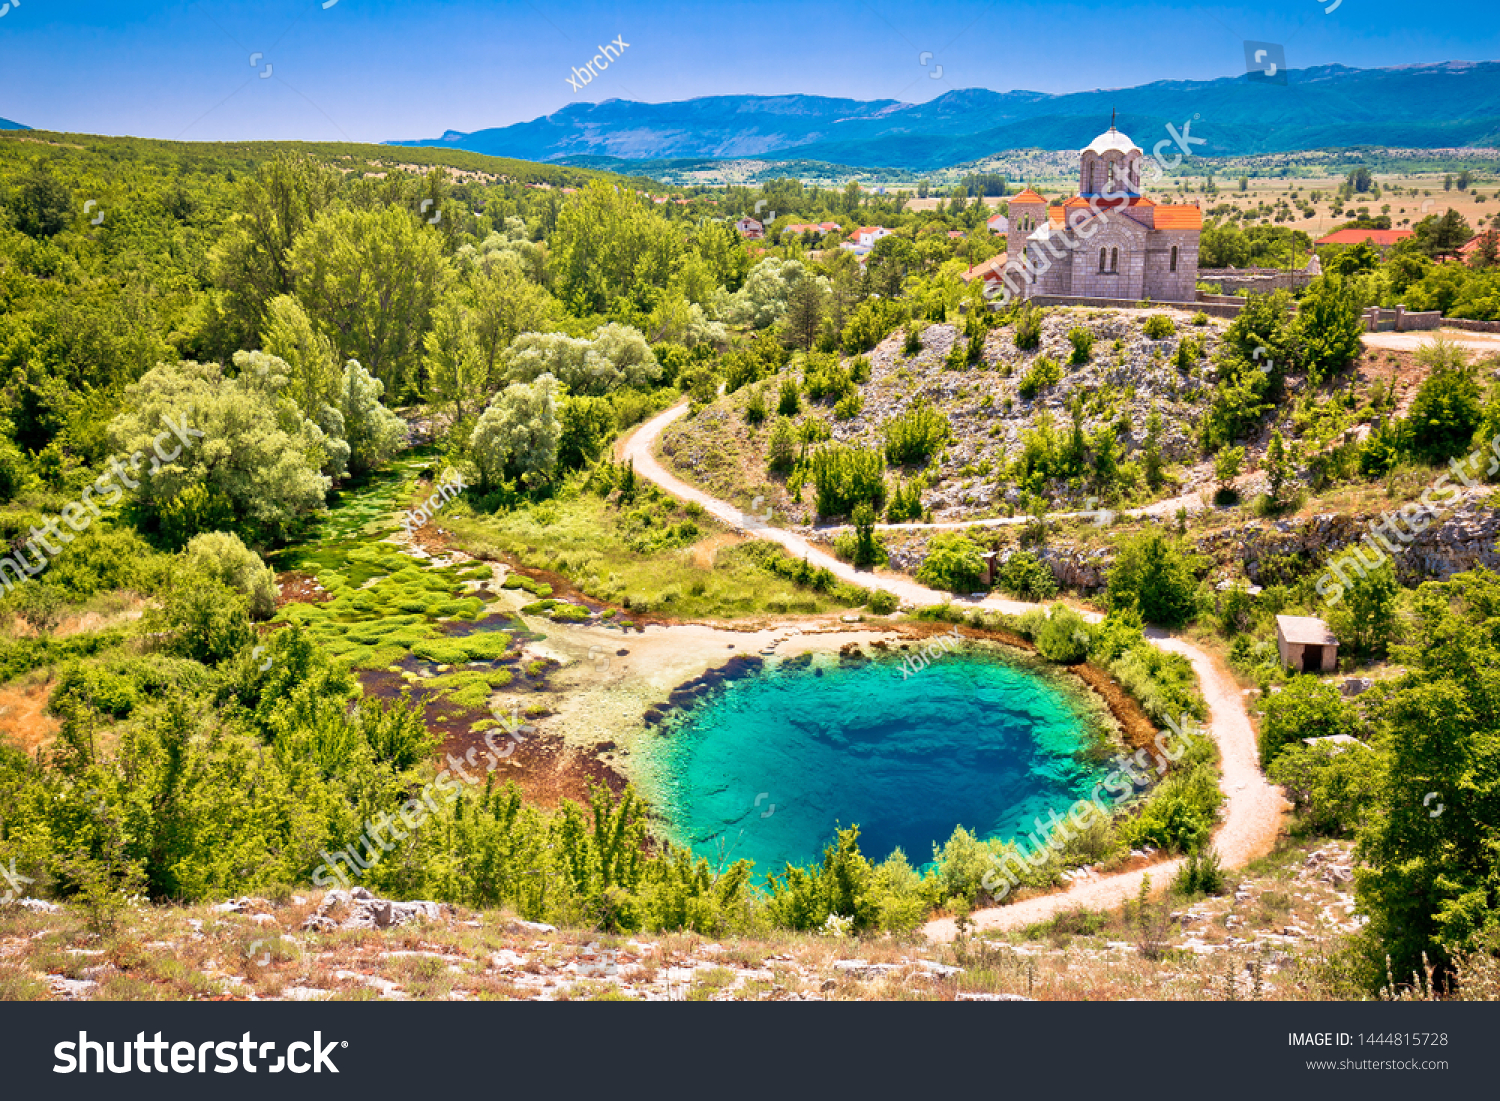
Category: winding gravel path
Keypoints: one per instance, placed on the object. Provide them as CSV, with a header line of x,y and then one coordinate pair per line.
x,y
1253,807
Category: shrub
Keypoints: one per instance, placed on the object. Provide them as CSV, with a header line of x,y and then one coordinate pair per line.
x,y
223,557
1043,373
1155,578
781,447
755,408
1025,575
953,562
1200,319
1331,787
1029,329
846,477
788,404
1201,874
914,436
906,503
1083,344
849,406
912,345
1064,637
883,602
1159,326
1306,707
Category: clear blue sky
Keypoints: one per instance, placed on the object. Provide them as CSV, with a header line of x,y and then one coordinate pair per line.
x,y
371,70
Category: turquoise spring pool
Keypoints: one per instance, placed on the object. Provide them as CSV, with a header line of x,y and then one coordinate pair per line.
x,y
768,766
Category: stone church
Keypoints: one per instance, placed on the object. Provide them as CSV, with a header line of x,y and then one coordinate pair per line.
x,y
1109,240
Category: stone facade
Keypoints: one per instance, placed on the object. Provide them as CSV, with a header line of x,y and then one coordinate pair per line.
x,y
1109,241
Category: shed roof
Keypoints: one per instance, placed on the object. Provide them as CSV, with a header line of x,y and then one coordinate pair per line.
x,y
1305,630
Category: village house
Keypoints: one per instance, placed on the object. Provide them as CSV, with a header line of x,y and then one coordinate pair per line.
x,y
999,223
1306,645
750,229
863,240
1378,238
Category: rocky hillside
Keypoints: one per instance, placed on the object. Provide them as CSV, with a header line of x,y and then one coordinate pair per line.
x,y
1127,375
1264,936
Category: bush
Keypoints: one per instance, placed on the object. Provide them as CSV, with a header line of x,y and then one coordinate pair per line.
x,y
1155,578
1331,787
222,557
1044,373
846,477
953,562
204,620
883,602
1029,329
906,503
1064,636
1200,319
788,405
912,345
849,406
1306,707
1025,575
1083,345
1159,326
1201,874
755,408
916,435
781,447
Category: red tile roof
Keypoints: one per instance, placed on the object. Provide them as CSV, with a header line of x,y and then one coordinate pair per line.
x,y
1028,196
1381,237
1178,216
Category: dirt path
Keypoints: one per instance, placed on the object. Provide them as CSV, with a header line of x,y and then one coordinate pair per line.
x,y
1253,807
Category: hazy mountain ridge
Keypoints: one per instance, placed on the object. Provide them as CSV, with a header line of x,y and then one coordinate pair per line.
x,y
1442,104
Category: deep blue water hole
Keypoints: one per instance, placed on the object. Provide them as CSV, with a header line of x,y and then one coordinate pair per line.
x,y
770,765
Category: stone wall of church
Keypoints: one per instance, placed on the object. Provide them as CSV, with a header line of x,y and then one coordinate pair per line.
x,y
1125,281
1161,283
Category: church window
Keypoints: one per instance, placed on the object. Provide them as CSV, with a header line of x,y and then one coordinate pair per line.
x,y
1101,259
1174,258
1114,259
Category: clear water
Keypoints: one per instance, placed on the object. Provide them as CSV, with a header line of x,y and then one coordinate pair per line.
x,y
769,766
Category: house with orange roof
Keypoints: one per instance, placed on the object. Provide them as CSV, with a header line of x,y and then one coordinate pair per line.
x,y
1486,244
1108,241
1380,238
862,240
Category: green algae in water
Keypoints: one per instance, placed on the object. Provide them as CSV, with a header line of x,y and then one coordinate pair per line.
x,y
770,766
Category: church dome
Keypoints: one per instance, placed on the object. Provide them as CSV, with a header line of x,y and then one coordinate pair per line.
x,y
1112,141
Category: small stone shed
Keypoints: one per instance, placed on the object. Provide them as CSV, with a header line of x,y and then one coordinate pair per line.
x,y
1306,644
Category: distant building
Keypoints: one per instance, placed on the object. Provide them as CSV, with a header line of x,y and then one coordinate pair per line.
x,y
1472,253
750,229
1109,240
1306,645
1380,238
862,240
999,224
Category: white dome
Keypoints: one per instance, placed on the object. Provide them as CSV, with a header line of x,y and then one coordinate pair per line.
x,y
1112,141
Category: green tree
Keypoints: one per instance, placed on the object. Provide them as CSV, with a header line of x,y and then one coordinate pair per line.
x,y
1153,576
781,445
1365,619
41,205
1425,871
221,556
1328,327
457,375
1332,787
370,281
804,315
517,437
374,434
1447,410
258,458
1306,707
953,562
